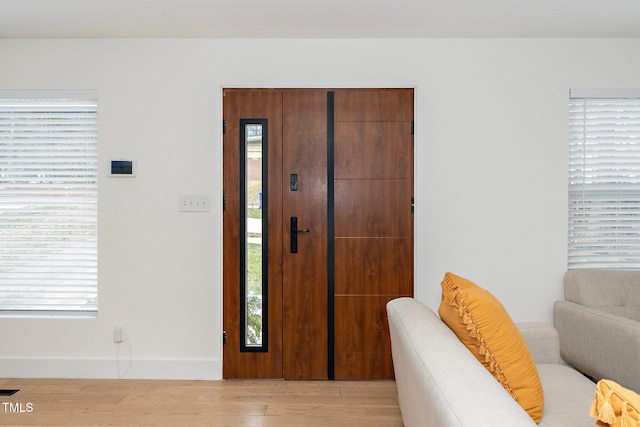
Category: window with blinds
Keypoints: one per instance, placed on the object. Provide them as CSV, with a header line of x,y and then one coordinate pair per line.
x,y
604,180
48,204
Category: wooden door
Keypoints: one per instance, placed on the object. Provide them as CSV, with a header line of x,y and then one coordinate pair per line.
x,y
305,272
239,361
373,235
341,163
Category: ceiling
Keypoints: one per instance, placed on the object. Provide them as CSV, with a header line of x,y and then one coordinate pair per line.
x,y
318,18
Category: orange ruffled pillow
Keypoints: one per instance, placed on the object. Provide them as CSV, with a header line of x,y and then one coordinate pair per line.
x,y
615,406
483,325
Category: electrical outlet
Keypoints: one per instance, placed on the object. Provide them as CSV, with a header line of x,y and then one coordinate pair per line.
x,y
118,333
195,203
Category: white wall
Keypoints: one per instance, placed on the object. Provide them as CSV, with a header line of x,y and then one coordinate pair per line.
x,y
490,149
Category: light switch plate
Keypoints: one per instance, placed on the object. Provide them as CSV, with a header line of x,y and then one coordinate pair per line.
x,y
195,203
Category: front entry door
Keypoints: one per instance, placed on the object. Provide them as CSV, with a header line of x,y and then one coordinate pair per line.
x,y
318,230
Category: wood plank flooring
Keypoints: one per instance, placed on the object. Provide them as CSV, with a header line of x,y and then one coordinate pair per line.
x,y
142,403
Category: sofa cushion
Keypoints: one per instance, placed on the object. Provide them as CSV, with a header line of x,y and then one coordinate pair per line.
x,y
567,396
602,288
483,325
614,405
628,311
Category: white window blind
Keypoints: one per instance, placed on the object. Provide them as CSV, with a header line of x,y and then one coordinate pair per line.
x,y
604,183
48,205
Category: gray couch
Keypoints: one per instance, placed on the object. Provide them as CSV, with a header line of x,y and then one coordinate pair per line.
x,y
441,384
599,324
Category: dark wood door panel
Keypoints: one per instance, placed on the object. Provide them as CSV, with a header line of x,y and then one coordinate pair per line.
x,y
362,327
374,105
305,349
363,344
363,366
373,223
371,266
373,150
252,104
305,272
373,208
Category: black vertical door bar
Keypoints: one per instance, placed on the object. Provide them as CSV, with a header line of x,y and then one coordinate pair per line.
x,y
330,238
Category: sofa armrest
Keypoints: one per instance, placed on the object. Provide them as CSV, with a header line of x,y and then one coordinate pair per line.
x,y
600,344
543,341
440,382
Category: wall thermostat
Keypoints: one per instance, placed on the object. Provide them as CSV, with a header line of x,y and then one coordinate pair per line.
x,y
122,168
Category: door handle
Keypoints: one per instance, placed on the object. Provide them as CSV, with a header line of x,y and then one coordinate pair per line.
x,y
294,234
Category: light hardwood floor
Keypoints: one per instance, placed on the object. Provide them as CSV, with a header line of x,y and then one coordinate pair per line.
x,y
129,403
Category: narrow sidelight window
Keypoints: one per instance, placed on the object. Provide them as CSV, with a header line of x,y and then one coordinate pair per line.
x,y
253,232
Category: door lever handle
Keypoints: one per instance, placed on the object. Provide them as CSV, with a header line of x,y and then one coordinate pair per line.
x,y
294,234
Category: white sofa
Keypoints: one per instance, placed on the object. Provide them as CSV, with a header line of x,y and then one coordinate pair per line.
x,y
599,324
441,384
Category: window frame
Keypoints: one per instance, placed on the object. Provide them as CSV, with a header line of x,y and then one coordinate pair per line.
x,y
62,199
604,179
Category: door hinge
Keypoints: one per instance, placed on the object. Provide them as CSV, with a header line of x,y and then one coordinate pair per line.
x,y
413,127
224,337
224,203
224,127
413,204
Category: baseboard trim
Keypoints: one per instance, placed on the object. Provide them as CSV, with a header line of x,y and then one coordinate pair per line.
x,y
169,369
